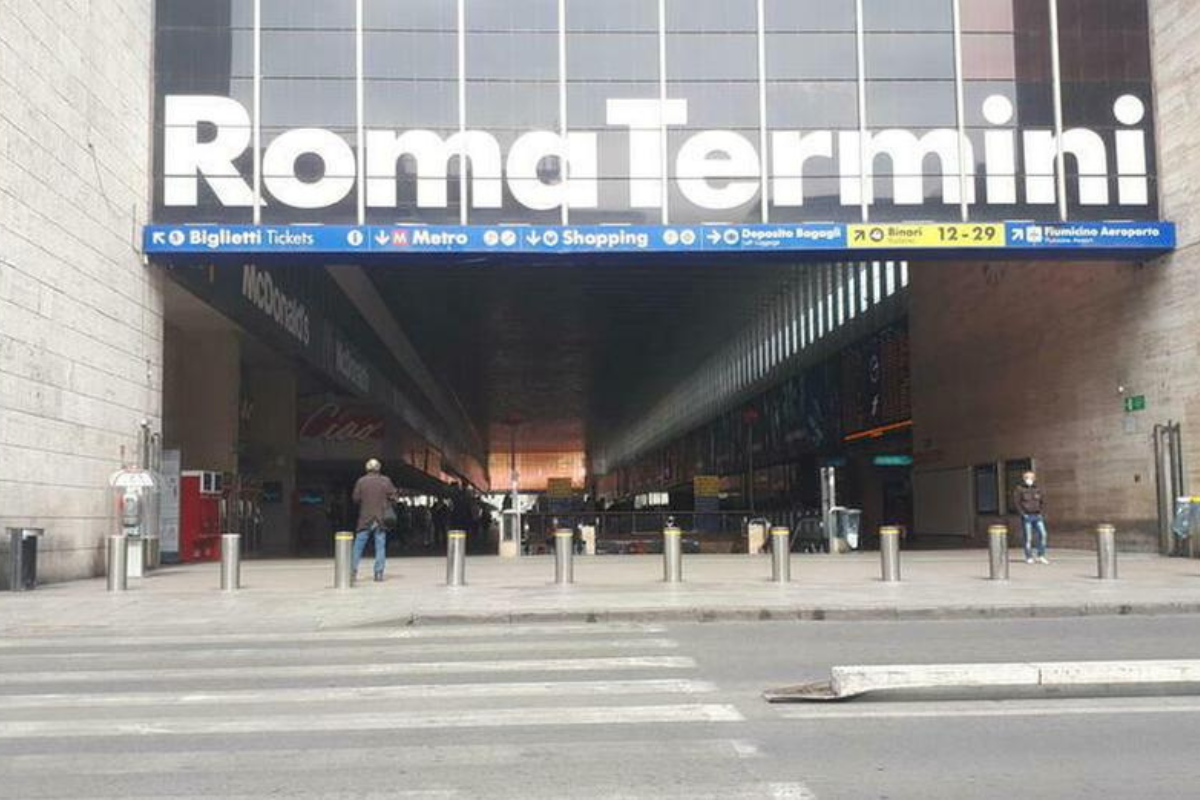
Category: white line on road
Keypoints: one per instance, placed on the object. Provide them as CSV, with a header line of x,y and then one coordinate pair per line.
x,y
84,642
351,694
449,757
344,672
121,660
995,708
475,718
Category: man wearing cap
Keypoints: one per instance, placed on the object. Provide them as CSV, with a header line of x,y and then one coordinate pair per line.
x,y
374,493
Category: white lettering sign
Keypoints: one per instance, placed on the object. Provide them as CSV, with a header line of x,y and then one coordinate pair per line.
x,y
714,170
289,313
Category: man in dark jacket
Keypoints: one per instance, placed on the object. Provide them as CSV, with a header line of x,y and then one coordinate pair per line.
x,y
374,493
1031,504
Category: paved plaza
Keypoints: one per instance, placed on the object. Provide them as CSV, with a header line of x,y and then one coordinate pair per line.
x,y
299,595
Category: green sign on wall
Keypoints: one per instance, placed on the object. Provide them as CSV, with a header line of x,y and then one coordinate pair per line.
x,y
1137,403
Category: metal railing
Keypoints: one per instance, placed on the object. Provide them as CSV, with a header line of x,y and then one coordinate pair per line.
x,y
634,526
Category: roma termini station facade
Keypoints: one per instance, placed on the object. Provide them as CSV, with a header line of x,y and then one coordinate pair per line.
x,y
615,259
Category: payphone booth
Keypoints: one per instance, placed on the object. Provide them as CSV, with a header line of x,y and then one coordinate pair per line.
x,y
134,516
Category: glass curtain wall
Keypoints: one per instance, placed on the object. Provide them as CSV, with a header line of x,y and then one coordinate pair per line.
x,y
203,49
410,82
828,86
308,95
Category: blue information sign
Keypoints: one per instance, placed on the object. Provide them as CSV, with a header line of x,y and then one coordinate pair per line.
x,y
1130,239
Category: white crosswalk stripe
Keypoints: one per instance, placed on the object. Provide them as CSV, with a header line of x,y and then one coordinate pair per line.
x,y
347,671
356,694
243,715
451,632
482,718
123,660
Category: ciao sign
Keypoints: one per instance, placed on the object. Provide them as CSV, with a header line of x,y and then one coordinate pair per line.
x,y
334,422
206,139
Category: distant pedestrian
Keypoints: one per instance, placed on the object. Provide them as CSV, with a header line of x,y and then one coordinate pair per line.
x,y
1031,503
374,493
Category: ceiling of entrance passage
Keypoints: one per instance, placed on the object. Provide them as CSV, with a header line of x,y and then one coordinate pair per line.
x,y
572,351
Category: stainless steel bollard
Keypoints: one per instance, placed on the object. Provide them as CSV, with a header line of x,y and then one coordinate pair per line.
x,y
998,552
118,574
889,552
231,562
1106,552
781,555
564,557
673,555
456,559
343,558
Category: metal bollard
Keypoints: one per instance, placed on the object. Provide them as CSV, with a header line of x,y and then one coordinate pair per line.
x,y
781,555
889,551
1106,552
998,552
673,555
118,575
231,562
343,558
456,558
564,557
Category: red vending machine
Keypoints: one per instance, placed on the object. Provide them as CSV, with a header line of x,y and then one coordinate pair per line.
x,y
200,515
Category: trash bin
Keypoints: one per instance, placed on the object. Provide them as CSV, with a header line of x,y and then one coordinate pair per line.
x,y
22,558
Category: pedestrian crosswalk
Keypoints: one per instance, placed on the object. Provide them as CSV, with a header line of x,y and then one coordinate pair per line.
x,y
605,711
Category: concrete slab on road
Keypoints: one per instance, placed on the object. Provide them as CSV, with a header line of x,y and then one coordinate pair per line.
x,y
848,682
299,595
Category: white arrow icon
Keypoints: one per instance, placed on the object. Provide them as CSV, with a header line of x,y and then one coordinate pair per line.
x,y
714,237
534,239
382,239
158,237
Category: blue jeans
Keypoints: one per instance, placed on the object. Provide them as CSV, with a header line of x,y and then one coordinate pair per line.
x,y
1034,523
360,545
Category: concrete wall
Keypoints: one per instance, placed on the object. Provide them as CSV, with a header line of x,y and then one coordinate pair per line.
x,y
80,316
202,381
1015,360
269,439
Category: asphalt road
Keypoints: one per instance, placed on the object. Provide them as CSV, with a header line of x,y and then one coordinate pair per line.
x,y
581,711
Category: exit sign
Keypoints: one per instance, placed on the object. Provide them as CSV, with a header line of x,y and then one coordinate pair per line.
x,y
1133,404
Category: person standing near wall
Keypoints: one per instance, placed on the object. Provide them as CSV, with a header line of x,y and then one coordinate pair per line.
x,y
374,493
1029,500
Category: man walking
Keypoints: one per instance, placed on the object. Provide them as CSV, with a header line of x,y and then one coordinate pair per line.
x,y
1030,502
374,493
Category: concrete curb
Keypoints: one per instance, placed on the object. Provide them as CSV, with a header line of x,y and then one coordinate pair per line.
x,y
793,614
847,683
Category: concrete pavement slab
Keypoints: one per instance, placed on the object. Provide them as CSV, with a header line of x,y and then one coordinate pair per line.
x,y
299,595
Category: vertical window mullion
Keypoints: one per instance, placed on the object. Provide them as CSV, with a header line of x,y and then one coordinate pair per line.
x,y
662,115
360,112
964,144
564,162
1061,155
464,213
256,131
764,159
865,187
